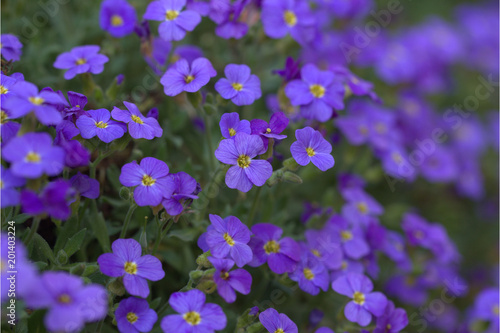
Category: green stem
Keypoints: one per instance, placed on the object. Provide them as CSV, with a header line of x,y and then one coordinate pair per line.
x,y
93,165
128,217
162,233
208,127
251,215
33,230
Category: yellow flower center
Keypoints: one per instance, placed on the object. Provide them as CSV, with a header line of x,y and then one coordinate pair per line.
x,y
64,298
33,157
237,86
137,119
232,132
132,317
397,158
224,275
130,267
418,234
279,330
81,61
344,265
189,78
101,124
317,90
36,100
271,247
389,326
310,152
290,18
359,298
308,274
228,239
363,129
171,15
496,310
316,253
243,161
3,264
3,117
346,235
192,318
380,128
116,21
268,130
148,180
3,90
362,207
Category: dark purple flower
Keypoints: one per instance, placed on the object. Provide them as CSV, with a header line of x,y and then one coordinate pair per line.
x,y
10,47
317,93
281,254
230,124
139,126
245,171
26,98
194,315
392,321
239,86
227,281
8,183
86,186
291,70
312,147
184,188
229,238
81,59
352,238
325,246
77,103
151,179
231,26
98,122
408,289
54,200
356,85
33,155
153,113
364,303
127,261
133,315
311,274
184,77
175,22
277,124
117,17
360,206
76,155
277,322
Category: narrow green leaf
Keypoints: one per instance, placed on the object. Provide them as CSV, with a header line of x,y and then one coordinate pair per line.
x,y
42,249
74,243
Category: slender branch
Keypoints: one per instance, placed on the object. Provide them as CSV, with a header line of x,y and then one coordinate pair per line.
x,y
251,215
127,219
33,230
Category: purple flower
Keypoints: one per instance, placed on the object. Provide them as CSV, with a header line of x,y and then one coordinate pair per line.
x,y
185,77
126,261
440,166
364,303
231,27
77,102
133,315
81,59
10,47
408,289
317,92
392,321
6,84
33,155
312,147
277,322
360,206
175,21
184,187
117,17
311,274
240,87
26,98
230,124
8,129
228,282
139,126
325,246
86,186
76,155
486,308
324,330
291,70
282,17
70,303
229,237
8,183
281,254
352,238
98,122
54,200
151,179
277,124
194,314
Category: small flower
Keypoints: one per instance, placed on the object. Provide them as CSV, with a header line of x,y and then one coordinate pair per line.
x,y
277,124
139,127
8,183
277,322
392,321
6,84
230,124
194,315
240,87
364,302
8,129
325,246
54,200
311,275
229,238
86,186
133,315
151,179
352,238
291,70
281,254
81,59
10,47
184,187
126,261
317,92
98,122
33,155
175,21
26,98
77,104
117,17
360,206
245,171
227,281
184,77
312,147
231,26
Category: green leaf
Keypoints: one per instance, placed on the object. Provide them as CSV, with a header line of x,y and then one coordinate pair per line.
x,y
21,218
67,230
74,243
186,235
41,249
98,225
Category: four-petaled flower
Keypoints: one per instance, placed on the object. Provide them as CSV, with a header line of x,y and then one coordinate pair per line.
x,y
227,281
230,124
98,122
139,126
312,147
240,86
276,322
182,76
117,17
81,59
133,315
